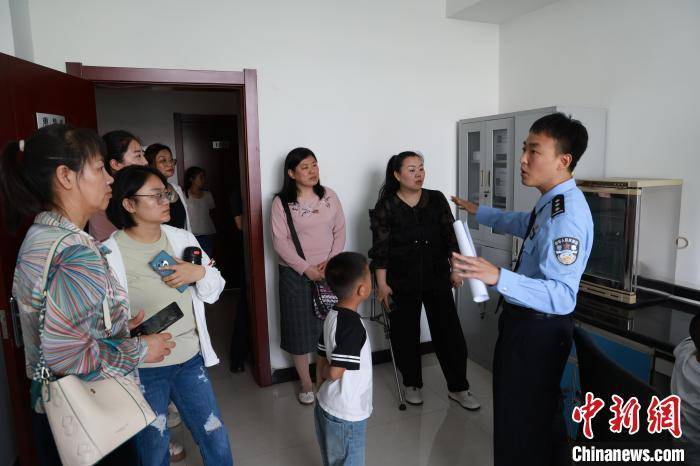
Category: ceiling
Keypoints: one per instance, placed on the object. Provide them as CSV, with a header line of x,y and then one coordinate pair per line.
x,y
492,11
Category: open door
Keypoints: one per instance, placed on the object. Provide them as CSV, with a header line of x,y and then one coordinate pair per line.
x,y
25,90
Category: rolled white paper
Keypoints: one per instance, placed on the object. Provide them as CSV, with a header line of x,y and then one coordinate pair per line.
x,y
466,247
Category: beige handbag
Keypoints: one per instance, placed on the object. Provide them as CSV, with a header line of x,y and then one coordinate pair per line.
x,y
89,419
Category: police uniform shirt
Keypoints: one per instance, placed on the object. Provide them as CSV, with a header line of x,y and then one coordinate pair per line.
x,y
344,343
554,254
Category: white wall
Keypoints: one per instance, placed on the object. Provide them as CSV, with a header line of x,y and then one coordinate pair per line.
x,y
354,81
22,29
148,112
638,58
7,44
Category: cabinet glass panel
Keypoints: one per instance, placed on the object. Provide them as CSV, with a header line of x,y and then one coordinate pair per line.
x,y
609,252
499,181
474,171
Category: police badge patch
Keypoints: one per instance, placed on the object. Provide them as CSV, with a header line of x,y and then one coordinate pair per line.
x,y
566,250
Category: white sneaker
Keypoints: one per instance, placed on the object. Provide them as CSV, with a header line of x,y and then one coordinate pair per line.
x,y
174,419
413,396
306,398
466,400
177,452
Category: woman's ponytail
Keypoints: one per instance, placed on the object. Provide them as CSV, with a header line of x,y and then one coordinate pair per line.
x,y
27,176
18,199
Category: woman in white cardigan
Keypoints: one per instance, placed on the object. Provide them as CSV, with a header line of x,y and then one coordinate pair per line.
x,y
139,207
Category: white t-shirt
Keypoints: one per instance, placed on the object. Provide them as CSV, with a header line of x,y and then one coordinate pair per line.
x,y
685,383
198,211
345,344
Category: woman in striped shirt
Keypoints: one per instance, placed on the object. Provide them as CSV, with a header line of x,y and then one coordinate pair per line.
x,y
60,179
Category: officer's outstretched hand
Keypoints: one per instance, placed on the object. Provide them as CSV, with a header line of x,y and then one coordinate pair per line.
x,y
464,204
475,267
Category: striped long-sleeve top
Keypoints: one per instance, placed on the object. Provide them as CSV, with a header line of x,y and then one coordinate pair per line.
x,y
75,339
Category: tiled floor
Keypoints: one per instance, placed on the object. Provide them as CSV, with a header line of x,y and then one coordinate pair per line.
x,y
268,427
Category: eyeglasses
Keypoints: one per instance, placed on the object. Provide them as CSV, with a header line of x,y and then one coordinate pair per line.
x,y
162,197
167,161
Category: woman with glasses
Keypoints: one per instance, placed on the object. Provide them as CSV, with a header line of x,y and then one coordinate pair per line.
x,y
140,207
123,149
160,157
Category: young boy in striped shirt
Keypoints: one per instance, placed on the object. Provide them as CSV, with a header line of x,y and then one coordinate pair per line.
x,y
344,365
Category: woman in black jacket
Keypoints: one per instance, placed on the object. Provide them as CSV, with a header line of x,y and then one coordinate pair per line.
x,y
412,242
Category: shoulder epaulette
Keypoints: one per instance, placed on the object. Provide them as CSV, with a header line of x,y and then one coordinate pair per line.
x,y
558,205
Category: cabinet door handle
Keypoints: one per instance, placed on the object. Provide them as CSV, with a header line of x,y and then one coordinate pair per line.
x,y
481,178
488,175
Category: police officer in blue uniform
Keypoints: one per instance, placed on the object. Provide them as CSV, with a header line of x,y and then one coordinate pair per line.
x,y
536,325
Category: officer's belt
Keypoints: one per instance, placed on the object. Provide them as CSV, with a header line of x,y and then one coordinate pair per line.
x,y
520,312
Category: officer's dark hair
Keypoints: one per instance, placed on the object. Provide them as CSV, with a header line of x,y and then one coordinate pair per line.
x,y
127,182
391,184
289,193
117,143
27,176
570,134
152,151
695,331
344,272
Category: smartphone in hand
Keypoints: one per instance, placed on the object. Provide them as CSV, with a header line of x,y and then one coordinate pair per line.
x,y
163,259
160,321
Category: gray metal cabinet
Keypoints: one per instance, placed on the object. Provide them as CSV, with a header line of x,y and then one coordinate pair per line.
x,y
486,160
479,320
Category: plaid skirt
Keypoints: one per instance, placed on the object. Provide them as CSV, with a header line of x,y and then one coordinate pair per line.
x,y
299,326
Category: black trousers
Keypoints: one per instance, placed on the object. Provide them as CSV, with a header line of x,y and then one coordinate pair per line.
x,y
240,341
531,353
446,332
47,454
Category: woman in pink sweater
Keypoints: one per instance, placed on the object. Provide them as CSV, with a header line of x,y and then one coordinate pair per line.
x,y
319,222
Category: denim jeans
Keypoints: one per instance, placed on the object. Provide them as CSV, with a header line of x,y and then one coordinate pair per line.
x,y
189,387
342,442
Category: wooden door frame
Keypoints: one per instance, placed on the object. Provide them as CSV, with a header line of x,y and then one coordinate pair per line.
x,y
249,162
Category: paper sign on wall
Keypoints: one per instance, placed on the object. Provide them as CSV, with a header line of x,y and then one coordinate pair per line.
x,y
45,119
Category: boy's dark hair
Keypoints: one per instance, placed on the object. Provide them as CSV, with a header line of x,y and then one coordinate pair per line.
x,y
695,331
344,271
570,134
127,182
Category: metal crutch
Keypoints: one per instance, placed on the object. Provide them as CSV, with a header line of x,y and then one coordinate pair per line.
x,y
383,320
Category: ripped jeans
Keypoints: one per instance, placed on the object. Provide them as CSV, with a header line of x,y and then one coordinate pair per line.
x,y
189,387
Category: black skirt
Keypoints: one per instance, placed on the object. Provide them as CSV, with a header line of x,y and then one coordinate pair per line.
x,y
299,326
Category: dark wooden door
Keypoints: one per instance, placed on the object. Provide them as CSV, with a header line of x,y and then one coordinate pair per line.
x,y
26,89
211,143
